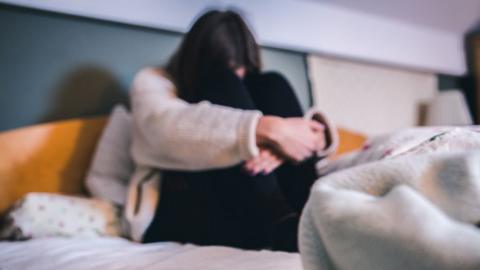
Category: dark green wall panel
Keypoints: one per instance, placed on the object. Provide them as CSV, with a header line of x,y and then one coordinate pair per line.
x,y
56,66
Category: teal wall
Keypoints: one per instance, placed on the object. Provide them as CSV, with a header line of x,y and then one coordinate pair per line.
x,y
448,82
56,66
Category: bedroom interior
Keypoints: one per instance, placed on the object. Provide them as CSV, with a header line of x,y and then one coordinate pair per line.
x,y
65,66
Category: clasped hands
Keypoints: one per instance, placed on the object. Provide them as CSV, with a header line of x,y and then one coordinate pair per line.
x,y
285,139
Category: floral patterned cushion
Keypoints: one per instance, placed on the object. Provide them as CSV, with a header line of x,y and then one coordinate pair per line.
x,y
47,214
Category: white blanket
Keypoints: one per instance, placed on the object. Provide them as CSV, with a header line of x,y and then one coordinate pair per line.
x,y
416,210
119,254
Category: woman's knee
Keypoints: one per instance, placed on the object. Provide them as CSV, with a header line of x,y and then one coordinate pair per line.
x,y
273,94
274,77
269,79
224,87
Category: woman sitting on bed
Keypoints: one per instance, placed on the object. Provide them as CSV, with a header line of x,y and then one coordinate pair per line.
x,y
230,162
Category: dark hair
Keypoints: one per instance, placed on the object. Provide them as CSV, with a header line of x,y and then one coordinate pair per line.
x,y
217,40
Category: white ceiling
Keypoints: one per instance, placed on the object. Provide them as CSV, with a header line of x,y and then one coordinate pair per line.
x,y
456,16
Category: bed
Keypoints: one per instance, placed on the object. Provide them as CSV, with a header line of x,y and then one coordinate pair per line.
x,y
395,203
53,158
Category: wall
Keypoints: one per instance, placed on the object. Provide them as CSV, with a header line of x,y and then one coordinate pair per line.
x,y
311,26
448,82
367,98
56,66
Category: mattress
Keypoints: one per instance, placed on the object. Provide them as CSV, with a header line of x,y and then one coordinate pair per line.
x,y
118,253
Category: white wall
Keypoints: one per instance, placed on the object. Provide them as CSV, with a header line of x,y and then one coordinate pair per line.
x,y
367,98
301,25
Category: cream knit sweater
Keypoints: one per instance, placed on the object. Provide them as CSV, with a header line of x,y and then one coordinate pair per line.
x,y
169,133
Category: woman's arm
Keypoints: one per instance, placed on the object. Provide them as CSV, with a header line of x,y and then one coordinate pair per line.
x,y
170,133
326,144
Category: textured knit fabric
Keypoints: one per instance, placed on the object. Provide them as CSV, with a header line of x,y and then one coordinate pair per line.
x,y
112,166
416,210
160,117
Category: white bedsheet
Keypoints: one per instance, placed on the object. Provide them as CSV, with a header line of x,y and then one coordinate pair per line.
x,y
412,212
118,253
415,207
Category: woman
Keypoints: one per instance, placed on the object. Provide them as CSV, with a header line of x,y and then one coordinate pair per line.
x,y
235,153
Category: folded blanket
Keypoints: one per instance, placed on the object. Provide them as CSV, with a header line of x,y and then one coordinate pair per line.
x,y
416,210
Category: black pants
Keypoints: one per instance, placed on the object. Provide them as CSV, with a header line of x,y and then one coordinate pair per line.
x,y
228,206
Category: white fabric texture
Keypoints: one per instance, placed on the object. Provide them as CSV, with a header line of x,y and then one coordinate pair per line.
x,y
120,254
112,166
405,141
416,210
39,215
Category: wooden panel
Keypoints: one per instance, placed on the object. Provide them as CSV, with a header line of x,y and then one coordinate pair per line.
x,y
50,157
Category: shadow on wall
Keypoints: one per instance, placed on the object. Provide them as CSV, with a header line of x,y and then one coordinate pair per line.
x,y
86,91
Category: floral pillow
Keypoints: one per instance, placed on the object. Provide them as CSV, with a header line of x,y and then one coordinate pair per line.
x,y
45,214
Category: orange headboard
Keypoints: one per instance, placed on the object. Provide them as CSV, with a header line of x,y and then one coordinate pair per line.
x,y
349,141
54,157
50,157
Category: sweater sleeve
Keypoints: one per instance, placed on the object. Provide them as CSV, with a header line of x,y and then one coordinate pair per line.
x,y
169,133
331,133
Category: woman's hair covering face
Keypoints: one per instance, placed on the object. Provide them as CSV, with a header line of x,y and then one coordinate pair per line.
x,y
218,40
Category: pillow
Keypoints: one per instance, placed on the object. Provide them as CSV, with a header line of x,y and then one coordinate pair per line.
x,y
112,165
46,214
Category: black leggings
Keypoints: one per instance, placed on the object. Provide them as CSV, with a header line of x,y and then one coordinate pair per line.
x,y
228,206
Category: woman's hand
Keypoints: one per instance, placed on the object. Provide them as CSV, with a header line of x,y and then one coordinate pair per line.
x,y
294,138
265,163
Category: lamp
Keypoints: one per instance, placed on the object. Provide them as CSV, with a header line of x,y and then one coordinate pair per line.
x,y
448,108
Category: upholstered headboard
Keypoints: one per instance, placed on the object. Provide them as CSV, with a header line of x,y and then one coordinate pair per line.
x,y
54,157
50,157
